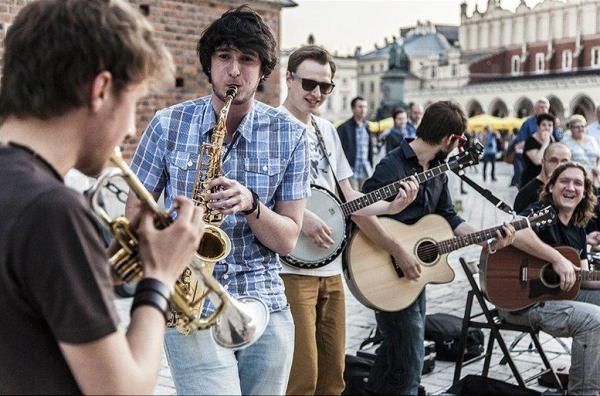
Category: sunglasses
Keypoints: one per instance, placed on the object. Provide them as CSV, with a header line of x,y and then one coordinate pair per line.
x,y
309,85
461,138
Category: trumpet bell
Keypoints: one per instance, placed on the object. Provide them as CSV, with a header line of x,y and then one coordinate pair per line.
x,y
242,322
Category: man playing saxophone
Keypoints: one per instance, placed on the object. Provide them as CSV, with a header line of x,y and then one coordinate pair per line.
x,y
261,195
60,328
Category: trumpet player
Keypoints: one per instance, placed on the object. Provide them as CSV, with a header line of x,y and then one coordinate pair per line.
x,y
261,195
60,331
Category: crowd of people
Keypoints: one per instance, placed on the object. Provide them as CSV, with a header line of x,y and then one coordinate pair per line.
x,y
60,112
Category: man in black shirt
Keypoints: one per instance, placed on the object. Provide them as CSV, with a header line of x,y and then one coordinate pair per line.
x,y
72,73
397,368
555,154
569,190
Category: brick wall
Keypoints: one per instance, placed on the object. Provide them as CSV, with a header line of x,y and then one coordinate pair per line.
x,y
498,65
179,24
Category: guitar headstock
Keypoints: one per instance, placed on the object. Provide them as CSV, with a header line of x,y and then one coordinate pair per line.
x,y
467,158
542,218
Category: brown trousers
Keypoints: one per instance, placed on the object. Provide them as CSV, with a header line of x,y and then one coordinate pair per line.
x,y
319,312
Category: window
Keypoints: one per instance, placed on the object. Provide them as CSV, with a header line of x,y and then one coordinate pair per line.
x,y
344,81
454,70
361,88
362,69
539,62
567,60
344,102
330,102
372,69
515,64
381,67
596,57
434,71
372,87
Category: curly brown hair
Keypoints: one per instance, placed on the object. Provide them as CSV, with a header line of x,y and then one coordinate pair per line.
x,y
585,209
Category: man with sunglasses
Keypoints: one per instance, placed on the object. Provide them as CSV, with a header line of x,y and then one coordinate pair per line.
x,y
397,368
355,137
316,296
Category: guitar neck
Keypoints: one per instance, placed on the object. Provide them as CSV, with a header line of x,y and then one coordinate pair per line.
x,y
390,190
588,275
450,245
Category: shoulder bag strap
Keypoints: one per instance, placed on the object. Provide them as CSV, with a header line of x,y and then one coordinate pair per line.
x,y
324,149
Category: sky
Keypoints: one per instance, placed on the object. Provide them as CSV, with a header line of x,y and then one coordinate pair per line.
x,y
341,25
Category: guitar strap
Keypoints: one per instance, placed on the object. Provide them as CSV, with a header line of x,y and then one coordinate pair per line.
x,y
324,149
487,194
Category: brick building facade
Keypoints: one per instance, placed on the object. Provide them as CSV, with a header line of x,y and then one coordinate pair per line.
x,y
179,24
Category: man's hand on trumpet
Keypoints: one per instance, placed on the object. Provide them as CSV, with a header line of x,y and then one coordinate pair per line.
x,y
166,252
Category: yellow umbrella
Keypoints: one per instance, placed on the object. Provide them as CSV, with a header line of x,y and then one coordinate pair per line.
x,y
382,125
478,122
509,123
374,126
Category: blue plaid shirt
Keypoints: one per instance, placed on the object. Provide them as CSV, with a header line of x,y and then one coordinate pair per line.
x,y
269,157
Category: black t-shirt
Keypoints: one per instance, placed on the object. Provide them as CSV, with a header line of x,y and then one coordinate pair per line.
x,y
559,234
433,195
530,170
54,276
528,194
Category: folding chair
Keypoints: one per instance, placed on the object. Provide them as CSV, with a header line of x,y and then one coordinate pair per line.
x,y
493,322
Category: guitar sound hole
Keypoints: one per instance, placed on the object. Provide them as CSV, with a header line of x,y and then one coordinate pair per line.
x,y
549,277
427,252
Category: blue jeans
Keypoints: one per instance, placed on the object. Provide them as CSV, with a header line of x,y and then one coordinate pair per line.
x,y
399,362
517,170
201,367
579,319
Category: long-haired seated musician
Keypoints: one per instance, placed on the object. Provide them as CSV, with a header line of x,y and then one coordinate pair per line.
x,y
570,191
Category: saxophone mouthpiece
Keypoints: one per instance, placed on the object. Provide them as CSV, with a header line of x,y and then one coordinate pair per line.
x,y
232,91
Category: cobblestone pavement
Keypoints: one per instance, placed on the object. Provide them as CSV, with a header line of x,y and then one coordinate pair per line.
x,y
449,298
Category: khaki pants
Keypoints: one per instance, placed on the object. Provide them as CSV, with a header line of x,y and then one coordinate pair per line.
x,y
317,305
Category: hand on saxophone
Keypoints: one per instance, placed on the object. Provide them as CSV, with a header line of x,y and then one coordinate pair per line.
x,y
166,252
230,196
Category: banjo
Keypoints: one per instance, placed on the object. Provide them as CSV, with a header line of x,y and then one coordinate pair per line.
x,y
328,207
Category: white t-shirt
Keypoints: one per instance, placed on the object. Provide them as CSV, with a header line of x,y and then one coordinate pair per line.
x,y
321,175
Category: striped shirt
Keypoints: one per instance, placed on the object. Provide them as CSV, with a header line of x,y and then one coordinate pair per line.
x,y
269,156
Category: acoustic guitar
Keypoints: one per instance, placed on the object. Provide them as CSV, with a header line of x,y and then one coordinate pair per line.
x,y
512,279
377,281
328,207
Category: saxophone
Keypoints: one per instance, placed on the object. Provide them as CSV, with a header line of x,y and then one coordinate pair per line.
x,y
126,263
215,245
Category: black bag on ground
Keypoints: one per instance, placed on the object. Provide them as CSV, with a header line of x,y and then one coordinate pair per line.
x,y
356,376
478,385
445,331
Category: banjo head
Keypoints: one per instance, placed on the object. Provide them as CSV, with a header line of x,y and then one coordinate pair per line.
x,y
328,208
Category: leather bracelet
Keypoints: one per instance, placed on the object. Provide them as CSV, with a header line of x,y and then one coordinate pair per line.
x,y
153,284
153,299
255,205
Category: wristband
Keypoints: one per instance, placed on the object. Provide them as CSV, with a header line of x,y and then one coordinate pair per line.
x,y
153,284
255,205
153,299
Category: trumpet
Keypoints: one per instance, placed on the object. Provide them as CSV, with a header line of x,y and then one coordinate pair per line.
x,y
234,324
